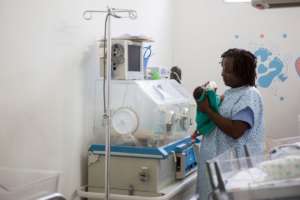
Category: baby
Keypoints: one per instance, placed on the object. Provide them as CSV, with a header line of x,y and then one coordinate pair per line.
x,y
204,125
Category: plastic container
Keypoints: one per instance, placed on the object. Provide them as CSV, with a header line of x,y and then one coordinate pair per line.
x,y
259,176
27,184
284,141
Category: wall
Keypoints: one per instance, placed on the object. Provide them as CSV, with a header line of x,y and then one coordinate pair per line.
x,y
49,66
205,29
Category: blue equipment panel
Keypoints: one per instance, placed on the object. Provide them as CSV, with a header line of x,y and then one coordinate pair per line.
x,y
148,152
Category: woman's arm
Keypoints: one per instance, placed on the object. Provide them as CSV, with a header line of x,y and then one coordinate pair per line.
x,y
232,128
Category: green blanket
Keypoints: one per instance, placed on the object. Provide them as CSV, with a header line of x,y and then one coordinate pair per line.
x,y
204,125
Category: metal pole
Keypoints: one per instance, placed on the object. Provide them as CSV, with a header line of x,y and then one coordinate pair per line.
x,y
108,110
111,12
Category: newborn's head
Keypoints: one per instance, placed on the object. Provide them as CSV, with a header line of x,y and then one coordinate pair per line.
x,y
198,91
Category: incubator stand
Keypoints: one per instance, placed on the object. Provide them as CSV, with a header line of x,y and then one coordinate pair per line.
x,y
259,176
152,156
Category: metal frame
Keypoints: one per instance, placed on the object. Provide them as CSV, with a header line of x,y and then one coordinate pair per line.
x,y
219,190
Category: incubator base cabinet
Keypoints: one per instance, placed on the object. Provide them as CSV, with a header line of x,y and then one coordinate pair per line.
x,y
140,176
130,176
151,150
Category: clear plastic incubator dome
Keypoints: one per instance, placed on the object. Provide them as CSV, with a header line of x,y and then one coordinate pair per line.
x,y
146,113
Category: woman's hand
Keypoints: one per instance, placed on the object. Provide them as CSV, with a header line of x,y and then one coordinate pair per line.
x,y
222,97
211,85
203,106
194,136
205,84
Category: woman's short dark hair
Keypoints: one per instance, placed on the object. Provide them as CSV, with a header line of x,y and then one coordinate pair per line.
x,y
244,65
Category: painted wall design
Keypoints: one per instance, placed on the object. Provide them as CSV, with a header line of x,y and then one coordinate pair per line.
x,y
274,63
269,68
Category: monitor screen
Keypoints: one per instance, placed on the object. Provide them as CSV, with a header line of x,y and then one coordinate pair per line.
x,y
134,58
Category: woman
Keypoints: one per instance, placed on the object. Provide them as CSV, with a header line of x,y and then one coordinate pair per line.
x,y
240,118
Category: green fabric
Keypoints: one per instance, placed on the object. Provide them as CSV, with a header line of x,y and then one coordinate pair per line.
x,y
204,125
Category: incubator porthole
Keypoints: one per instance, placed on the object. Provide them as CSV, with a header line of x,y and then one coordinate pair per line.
x,y
125,121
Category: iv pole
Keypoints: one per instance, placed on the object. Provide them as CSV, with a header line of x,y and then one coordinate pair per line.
x,y
110,12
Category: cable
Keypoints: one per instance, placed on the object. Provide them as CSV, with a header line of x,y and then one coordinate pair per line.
x,y
178,78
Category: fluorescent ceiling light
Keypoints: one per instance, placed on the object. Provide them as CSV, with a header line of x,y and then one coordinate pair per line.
x,y
237,1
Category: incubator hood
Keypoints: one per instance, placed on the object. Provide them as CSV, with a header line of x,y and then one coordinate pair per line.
x,y
146,113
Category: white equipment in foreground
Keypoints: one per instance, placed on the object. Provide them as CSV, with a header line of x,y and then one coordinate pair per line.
x,y
29,184
258,177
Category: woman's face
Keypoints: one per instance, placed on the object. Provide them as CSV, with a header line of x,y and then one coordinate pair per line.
x,y
230,79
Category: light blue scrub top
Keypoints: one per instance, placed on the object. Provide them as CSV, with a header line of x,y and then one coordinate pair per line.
x,y
245,104
245,115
